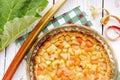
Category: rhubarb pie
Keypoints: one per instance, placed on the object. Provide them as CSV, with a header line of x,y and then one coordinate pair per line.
x,y
72,55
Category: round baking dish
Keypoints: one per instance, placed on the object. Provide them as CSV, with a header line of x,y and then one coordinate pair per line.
x,y
72,27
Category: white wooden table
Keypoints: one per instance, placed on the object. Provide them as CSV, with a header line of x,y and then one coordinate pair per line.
x,y
8,54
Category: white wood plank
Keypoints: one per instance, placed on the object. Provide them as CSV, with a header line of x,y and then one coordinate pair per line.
x,y
85,6
12,50
114,10
21,74
2,60
10,53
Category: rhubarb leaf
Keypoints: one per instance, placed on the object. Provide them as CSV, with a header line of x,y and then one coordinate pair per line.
x,y
16,16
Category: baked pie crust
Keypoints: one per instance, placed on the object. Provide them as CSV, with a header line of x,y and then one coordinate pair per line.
x,y
72,55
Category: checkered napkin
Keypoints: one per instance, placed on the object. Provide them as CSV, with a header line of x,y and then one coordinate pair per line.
x,y
75,16
118,76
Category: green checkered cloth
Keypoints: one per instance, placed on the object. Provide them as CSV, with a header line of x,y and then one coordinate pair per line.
x,y
74,16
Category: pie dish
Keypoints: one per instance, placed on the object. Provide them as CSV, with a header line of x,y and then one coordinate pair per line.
x,y
72,52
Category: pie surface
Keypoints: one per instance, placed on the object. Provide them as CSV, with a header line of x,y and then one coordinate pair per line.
x,y
72,56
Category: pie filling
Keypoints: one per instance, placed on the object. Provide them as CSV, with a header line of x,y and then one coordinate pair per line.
x,y
72,56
